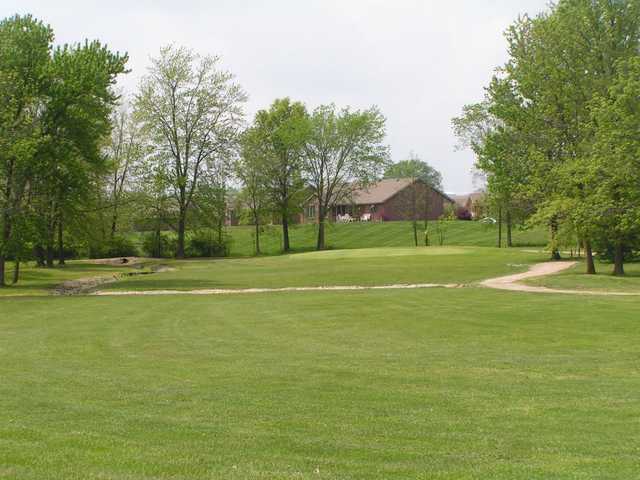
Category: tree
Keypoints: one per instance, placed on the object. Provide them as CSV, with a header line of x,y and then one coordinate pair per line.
x,y
75,118
25,45
558,62
250,170
414,167
54,117
191,112
282,130
124,151
614,179
344,150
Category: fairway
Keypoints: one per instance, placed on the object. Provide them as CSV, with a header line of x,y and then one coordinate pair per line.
x,y
367,267
454,384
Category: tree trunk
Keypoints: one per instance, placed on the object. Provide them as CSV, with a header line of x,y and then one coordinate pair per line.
x,y
285,233
2,270
320,245
509,237
415,232
618,259
591,266
39,254
60,244
6,221
500,227
114,223
157,248
555,253
16,272
257,224
181,229
50,251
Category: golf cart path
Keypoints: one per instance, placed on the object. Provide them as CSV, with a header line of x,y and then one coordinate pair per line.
x,y
511,282
231,291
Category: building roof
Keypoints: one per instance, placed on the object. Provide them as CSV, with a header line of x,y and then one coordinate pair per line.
x,y
383,190
461,199
379,192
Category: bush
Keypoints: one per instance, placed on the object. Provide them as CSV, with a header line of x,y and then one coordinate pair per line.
x,y
462,213
159,245
118,246
205,243
606,251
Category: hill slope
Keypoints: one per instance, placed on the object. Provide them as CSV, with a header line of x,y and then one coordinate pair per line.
x,y
367,235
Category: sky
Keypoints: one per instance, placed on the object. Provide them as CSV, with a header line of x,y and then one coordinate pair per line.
x,y
418,61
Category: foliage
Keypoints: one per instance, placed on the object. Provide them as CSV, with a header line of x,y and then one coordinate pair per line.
x,y
158,245
277,137
344,150
117,246
463,213
206,243
191,112
55,114
415,168
543,135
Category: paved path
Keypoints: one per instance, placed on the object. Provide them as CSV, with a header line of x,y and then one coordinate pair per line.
x,y
511,282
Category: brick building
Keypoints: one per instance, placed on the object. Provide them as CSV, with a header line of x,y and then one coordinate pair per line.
x,y
387,200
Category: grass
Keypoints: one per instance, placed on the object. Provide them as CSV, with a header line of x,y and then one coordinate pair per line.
x,y
375,266
40,281
371,235
439,384
575,279
446,384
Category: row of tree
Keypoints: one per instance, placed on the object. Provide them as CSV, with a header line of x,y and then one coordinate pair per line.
x,y
288,153
558,133
80,164
55,105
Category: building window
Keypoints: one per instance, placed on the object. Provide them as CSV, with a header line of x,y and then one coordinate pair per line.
x,y
311,212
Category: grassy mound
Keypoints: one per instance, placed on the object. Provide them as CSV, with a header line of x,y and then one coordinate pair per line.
x,y
369,235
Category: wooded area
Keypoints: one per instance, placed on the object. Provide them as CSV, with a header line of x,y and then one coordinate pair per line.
x,y
81,164
558,134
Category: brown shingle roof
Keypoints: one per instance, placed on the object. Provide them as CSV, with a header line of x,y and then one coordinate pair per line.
x,y
379,192
383,190
461,199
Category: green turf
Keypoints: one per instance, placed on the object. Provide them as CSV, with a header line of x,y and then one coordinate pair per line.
x,y
576,279
368,235
41,281
430,384
376,266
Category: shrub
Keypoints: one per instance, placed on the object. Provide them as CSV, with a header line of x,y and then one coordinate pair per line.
x,y
463,213
205,243
159,245
118,246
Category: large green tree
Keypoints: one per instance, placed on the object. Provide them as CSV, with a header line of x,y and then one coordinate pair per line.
x,y
191,111
25,47
345,149
250,170
55,114
614,176
282,130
